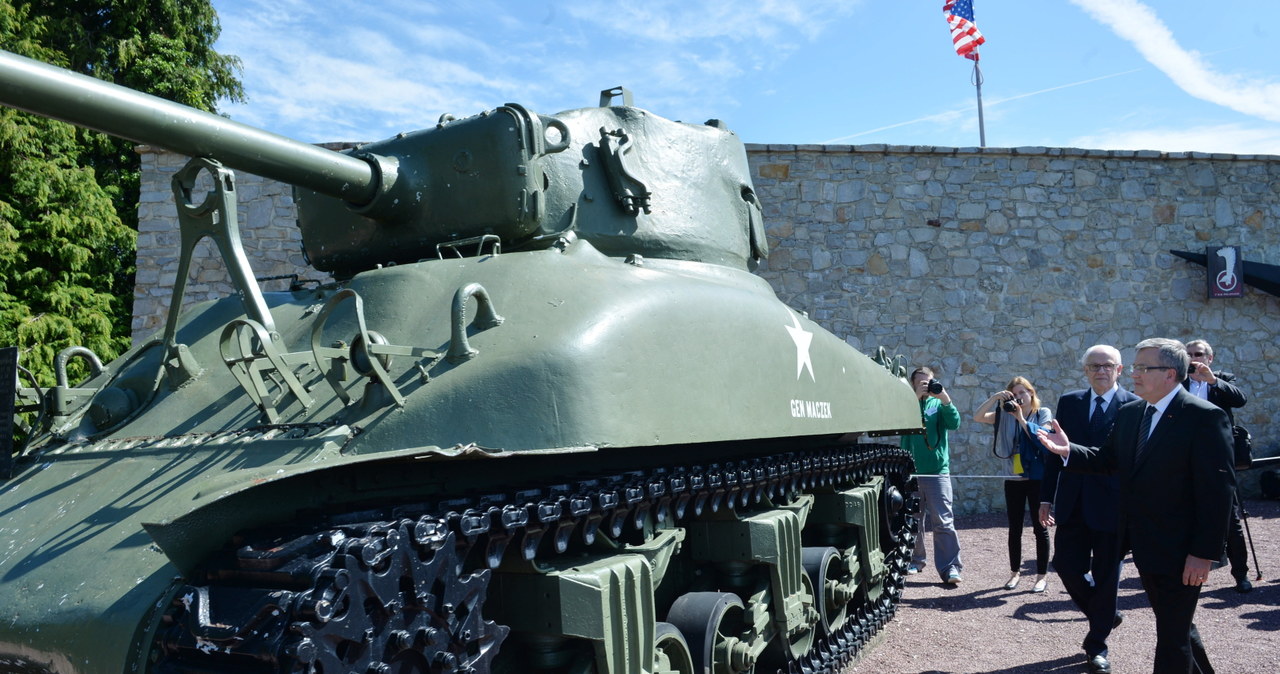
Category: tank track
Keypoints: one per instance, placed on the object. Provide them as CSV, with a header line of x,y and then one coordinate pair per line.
x,y
385,590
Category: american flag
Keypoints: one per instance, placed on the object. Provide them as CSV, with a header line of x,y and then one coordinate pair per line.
x,y
964,33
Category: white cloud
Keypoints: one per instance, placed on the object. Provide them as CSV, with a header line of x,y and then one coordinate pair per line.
x,y
965,115
404,62
1138,24
1226,138
325,81
686,58
680,21
958,117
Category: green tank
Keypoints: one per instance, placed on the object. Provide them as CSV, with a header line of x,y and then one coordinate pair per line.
x,y
545,419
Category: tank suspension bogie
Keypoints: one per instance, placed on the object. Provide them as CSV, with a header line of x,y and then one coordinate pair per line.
x,y
770,542
638,585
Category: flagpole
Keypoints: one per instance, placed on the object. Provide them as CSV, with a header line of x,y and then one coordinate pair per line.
x,y
965,37
977,83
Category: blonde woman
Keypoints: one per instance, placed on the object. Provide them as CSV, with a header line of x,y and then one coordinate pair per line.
x,y
1016,413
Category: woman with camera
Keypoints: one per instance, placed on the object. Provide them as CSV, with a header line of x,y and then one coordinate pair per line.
x,y
1016,413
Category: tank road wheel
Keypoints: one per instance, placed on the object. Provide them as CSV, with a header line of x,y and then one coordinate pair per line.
x,y
711,623
832,587
895,512
671,653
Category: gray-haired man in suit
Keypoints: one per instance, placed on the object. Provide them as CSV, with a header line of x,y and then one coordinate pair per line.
x,y
1172,452
1086,508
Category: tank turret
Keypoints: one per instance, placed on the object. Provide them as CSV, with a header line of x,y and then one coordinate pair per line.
x,y
543,420
508,173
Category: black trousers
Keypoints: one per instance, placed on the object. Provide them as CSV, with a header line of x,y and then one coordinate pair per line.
x,y
1179,649
1079,550
1237,552
1020,498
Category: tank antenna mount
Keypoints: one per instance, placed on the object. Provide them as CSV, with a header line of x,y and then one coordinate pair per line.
x,y
607,96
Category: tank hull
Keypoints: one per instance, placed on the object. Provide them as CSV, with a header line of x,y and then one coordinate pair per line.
x,y
576,371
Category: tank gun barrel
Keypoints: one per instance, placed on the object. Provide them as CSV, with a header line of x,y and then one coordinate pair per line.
x,y
53,92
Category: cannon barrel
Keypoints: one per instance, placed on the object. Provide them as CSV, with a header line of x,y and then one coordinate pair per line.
x,y
85,101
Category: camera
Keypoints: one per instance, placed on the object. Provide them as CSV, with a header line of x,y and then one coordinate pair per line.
x,y
934,386
1009,406
1191,369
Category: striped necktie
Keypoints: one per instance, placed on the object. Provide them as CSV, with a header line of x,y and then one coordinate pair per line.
x,y
1144,430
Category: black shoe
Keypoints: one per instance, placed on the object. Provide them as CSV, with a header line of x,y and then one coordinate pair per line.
x,y
1243,586
1099,664
1119,619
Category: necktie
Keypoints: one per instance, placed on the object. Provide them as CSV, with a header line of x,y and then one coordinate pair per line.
x,y
1144,429
1097,423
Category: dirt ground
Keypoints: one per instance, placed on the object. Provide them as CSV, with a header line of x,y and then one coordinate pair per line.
x,y
979,627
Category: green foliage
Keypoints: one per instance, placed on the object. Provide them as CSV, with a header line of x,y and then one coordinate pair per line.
x,y
55,223
68,197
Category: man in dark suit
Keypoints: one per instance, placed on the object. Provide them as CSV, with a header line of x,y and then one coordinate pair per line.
x,y
1219,389
1172,453
1086,508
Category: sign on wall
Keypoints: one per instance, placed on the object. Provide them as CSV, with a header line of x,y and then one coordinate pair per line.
x,y
1225,271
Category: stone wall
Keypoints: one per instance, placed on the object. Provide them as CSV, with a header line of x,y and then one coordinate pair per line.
x,y
986,264
982,263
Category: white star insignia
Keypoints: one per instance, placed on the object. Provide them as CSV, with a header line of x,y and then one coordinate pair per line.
x,y
802,338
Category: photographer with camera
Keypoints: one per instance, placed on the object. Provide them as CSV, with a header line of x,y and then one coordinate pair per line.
x,y
933,473
1016,413
1217,388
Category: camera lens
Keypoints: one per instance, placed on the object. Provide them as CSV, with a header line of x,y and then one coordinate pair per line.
x,y
1009,406
935,386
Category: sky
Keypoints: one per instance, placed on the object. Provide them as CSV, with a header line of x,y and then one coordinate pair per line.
x,y
1172,75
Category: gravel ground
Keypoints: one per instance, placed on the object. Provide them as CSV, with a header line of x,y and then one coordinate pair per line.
x,y
979,627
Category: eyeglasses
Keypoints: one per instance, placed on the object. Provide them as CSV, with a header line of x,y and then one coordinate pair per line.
x,y
1142,369
1101,367
1197,354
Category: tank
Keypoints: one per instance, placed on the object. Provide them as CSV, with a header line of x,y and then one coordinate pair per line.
x,y
543,419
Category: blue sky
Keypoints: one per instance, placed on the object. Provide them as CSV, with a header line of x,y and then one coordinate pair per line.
x,y
1171,75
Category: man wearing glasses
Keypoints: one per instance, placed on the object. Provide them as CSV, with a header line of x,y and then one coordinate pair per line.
x,y
1086,508
1172,453
1218,389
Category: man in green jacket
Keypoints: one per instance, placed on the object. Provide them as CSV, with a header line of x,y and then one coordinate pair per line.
x,y
933,472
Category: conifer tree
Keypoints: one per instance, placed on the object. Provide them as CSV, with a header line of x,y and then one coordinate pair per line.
x,y
68,196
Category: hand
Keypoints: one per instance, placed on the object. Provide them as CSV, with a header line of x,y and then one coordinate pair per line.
x,y
922,389
1196,571
1055,440
1046,515
921,385
1203,373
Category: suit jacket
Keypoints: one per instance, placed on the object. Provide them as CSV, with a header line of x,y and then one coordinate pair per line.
x,y
1175,501
1097,496
1224,394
